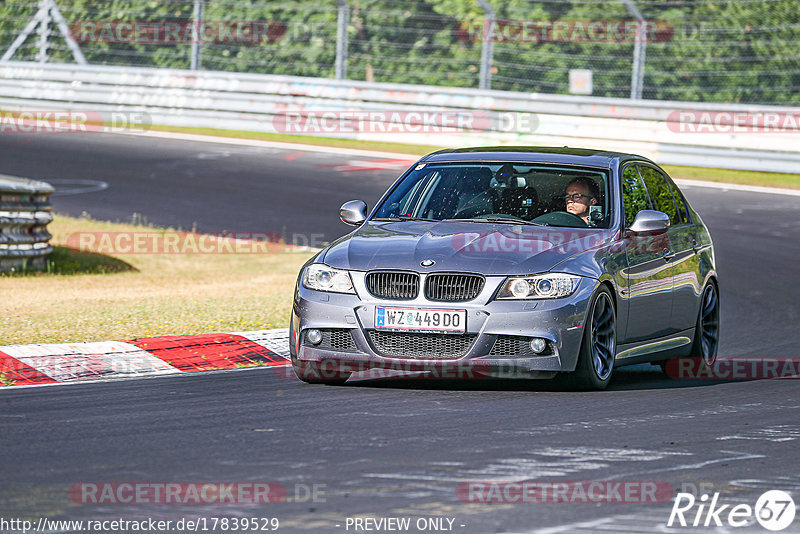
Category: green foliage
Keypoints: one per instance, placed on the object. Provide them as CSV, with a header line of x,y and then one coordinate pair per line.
x,y
660,194
725,51
634,195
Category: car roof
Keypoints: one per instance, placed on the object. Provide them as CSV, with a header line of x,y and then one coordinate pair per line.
x,y
539,154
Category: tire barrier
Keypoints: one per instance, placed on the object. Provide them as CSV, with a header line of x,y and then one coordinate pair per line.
x,y
25,212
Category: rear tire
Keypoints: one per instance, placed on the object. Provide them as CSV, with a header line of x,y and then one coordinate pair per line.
x,y
706,333
598,348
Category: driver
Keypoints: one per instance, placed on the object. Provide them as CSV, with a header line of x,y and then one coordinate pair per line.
x,y
581,193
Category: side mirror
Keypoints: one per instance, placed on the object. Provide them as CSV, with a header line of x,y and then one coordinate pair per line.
x,y
353,213
650,221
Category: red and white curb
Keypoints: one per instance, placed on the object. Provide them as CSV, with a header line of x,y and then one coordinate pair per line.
x,y
72,362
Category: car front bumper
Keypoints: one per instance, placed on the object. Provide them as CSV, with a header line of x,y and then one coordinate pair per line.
x,y
559,321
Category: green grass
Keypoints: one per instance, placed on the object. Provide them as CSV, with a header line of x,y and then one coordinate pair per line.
x,y
97,295
765,179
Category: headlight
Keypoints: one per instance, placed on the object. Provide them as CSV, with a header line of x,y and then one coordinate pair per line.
x,y
543,286
324,278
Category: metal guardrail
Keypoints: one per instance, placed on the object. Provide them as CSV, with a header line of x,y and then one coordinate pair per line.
x,y
25,212
251,102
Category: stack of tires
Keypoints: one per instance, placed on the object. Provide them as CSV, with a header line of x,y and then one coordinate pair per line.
x,y
25,212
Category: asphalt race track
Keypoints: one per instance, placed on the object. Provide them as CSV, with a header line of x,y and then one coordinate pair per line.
x,y
396,448
212,188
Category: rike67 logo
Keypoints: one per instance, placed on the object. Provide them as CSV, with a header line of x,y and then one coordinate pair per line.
x,y
774,510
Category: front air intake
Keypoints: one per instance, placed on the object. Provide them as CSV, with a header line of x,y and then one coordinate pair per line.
x,y
453,287
393,285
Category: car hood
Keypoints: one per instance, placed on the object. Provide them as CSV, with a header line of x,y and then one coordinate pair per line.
x,y
487,248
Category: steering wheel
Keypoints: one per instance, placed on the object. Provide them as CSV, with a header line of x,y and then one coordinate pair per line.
x,y
560,218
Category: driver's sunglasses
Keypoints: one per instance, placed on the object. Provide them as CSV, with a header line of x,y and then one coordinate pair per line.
x,y
575,197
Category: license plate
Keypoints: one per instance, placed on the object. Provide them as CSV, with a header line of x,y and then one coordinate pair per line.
x,y
421,320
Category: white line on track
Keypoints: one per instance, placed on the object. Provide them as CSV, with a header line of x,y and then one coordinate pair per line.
x,y
739,187
272,144
377,154
76,187
735,457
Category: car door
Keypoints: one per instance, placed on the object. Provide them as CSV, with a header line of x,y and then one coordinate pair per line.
x,y
649,276
686,263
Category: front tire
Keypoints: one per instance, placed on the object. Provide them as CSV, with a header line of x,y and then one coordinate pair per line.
x,y
598,348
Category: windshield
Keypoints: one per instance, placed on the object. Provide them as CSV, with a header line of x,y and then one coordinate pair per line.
x,y
498,192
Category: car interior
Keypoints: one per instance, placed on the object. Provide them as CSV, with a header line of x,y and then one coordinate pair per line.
x,y
520,191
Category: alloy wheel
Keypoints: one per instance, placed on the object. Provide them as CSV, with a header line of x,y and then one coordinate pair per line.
x,y
709,325
604,338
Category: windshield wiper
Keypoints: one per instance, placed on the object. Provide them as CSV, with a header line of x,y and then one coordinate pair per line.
x,y
504,220
393,219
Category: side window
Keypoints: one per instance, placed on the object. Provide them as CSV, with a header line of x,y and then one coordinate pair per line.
x,y
634,195
680,201
660,193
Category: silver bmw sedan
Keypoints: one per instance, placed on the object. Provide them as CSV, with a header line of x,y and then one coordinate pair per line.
x,y
511,262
